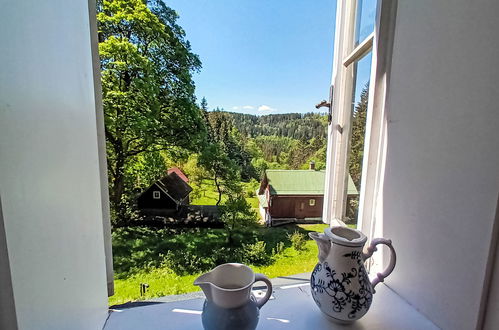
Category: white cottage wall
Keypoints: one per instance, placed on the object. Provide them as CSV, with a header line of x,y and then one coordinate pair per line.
x,y
491,297
441,179
491,321
49,166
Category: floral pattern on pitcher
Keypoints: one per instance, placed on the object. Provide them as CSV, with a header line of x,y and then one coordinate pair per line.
x,y
339,282
337,287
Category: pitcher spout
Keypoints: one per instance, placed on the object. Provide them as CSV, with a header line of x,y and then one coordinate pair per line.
x,y
323,243
204,282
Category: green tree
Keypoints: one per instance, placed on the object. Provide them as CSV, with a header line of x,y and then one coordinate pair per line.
x,y
148,92
228,137
236,213
213,156
358,136
306,151
223,170
356,155
204,105
144,169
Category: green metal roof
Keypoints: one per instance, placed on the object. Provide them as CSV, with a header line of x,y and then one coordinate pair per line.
x,y
301,182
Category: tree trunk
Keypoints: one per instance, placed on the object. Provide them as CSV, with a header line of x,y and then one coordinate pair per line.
x,y
230,240
118,189
219,190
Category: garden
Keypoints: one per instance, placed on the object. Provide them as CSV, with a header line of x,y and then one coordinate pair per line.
x,y
168,260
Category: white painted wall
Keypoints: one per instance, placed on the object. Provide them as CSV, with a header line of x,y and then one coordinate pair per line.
x,y
491,321
441,180
49,170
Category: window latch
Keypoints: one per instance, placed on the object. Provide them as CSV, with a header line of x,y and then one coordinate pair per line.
x,y
323,103
328,105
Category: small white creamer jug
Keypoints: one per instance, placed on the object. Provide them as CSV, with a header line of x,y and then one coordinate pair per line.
x,y
229,303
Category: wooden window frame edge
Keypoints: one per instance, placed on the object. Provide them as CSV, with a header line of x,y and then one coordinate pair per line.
x,y
101,147
370,219
336,180
381,44
361,50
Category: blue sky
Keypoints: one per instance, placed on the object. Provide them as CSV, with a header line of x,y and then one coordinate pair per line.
x,y
259,56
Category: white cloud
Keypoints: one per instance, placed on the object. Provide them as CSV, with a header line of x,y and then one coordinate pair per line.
x,y
265,108
235,108
248,107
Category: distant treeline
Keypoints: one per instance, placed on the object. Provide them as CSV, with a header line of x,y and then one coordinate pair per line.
x,y
292,125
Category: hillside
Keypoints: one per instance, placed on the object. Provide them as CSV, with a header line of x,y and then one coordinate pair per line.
x,y
277,141
292,125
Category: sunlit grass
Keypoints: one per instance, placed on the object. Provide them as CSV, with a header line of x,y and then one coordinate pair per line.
x,y
163,281
208,195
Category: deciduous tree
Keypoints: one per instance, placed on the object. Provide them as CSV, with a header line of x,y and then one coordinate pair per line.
x,y
148,92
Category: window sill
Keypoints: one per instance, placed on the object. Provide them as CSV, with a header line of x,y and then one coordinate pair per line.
x,y
292,308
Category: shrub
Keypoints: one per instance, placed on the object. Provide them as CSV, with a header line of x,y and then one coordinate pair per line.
x,y
228,254
279,248
186,262
236,213
298,240
256,254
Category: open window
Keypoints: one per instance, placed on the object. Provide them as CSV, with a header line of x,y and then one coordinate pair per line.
x,y
357,130
355,135
352,71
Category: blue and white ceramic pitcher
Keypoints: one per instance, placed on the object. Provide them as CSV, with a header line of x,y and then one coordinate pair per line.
x,y
339,283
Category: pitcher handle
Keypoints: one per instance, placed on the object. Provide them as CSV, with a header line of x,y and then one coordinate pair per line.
x,y
263,278
393,258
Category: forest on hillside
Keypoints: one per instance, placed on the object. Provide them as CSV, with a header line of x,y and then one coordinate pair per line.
x,y
293,125
282,141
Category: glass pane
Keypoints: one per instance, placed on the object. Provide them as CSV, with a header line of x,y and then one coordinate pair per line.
x,y
362,73
366,15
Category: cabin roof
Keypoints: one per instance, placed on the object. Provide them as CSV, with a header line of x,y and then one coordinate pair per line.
x,y
301,182
179,172
174,186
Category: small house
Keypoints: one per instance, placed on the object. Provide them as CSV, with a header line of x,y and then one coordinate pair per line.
x,y
293,195
165,196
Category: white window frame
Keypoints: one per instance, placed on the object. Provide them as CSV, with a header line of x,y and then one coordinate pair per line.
x,y
346,53
156,194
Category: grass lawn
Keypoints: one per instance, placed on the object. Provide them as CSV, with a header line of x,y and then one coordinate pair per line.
x,y
141,256
206,194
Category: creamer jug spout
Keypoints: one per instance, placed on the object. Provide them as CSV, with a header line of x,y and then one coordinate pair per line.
x,y
205,283
323,243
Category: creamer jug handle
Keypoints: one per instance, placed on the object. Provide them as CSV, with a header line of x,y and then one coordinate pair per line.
x,y
393,258
263,278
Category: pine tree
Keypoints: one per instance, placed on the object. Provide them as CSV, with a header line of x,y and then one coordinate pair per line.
x,y
358,137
